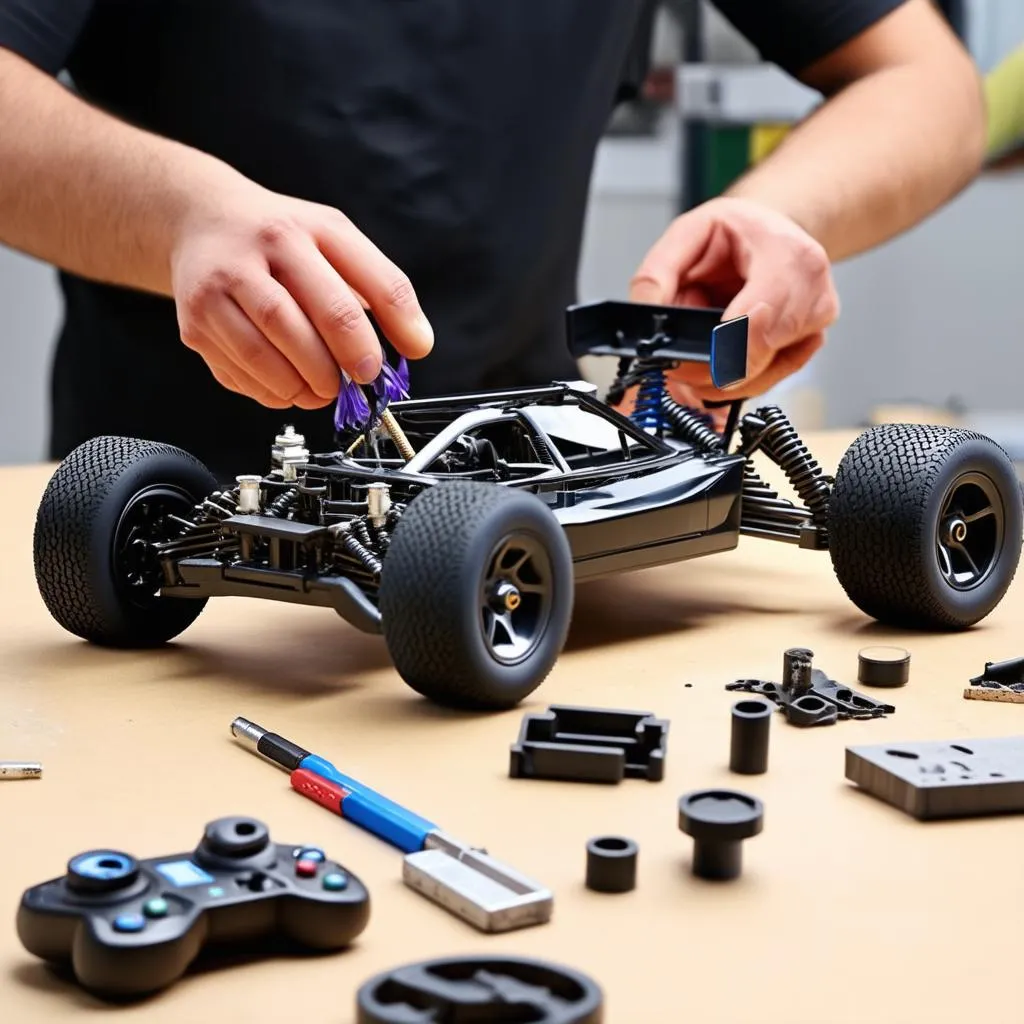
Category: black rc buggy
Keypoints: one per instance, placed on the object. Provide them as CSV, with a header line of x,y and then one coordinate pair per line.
x,y
456,527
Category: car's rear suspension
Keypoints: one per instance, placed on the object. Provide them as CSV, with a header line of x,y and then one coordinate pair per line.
x,y
765,512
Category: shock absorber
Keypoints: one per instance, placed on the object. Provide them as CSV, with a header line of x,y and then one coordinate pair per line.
x,y
779,440
281,505
359,551
647,411
690,425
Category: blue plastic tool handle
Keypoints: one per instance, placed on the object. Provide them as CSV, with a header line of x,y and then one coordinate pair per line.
x,y
374,812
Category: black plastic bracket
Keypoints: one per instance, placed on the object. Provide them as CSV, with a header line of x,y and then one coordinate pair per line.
x,y
823,702
1001,681
944,779
581,744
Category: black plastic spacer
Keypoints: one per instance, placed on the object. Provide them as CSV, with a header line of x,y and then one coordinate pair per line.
x,y
611,864
883,666
719,820
751,724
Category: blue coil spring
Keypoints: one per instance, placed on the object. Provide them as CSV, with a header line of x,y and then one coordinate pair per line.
x,y
647,411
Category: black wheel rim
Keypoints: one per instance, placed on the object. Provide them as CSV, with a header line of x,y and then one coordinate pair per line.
x,y
145,521
970,531
516,598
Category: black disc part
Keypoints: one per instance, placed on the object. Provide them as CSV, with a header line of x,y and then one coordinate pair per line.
x,y
883,666
478,988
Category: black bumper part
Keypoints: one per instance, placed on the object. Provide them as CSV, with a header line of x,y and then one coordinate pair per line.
x,y
206,577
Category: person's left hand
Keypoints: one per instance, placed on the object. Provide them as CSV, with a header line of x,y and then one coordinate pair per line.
x,y
750,260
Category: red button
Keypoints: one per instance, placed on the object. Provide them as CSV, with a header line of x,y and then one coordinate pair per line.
x,y
305,868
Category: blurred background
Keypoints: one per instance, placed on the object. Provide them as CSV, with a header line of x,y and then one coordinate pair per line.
x,y
932,323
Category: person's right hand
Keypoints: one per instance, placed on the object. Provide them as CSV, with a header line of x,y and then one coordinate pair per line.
x,y
272,292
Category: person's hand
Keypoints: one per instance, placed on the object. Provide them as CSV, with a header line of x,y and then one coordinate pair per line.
x,y
748,259
272,292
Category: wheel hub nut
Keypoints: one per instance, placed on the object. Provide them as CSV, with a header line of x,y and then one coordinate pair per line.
x,y
506,597
956,530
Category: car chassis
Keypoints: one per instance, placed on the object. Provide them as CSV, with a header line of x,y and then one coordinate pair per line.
x,y
457,525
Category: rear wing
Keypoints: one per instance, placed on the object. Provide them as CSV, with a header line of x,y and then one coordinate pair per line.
x,y
670,333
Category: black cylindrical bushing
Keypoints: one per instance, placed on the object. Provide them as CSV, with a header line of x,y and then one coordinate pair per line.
x,y
611,864
751,723
797,665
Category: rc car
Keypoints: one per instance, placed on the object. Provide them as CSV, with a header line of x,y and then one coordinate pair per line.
x,y
457,527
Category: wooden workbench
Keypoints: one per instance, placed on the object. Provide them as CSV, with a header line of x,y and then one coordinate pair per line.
x,y
847,910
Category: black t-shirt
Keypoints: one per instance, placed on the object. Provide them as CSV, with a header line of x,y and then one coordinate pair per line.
x,y
458,135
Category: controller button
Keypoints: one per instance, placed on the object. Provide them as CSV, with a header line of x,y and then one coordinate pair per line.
x,y
305,868
129,923
312,853
215,891
156,908
335,881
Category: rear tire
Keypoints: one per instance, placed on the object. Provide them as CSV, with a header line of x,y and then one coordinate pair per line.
x,y
102,504
476,594
925,525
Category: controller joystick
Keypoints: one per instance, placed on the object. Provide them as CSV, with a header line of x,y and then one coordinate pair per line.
x,y
98,872
129,927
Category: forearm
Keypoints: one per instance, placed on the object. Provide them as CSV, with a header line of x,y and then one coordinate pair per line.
x,y
877,158
88,193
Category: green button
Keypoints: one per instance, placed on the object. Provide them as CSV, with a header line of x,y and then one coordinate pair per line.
x,y
335,881
156,908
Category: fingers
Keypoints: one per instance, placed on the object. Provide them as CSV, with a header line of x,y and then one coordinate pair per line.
x,y
333,313
657,279
383,287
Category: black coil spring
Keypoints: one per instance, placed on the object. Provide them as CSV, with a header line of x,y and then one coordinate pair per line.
x,y
690,425
282,504
782,444
361,552
542,449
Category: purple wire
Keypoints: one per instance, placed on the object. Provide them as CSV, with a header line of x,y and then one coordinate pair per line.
x,y
352,410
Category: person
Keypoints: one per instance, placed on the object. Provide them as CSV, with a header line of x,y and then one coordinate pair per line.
x,y
236,193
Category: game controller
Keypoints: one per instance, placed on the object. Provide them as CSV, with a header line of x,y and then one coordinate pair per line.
x,y
129,928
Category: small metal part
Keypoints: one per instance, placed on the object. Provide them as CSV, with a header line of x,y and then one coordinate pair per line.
x,y
797,666
883,666
289,451
475,887
390,424
248,494
378,503
719,820
751,726
611,864
20,770
248,733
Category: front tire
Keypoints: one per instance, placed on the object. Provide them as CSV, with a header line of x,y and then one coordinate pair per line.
x,y
925,525
476,594
101,506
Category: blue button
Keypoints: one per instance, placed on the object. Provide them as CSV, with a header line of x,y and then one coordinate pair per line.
x,y
215,891
335,882
129,923
311,853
